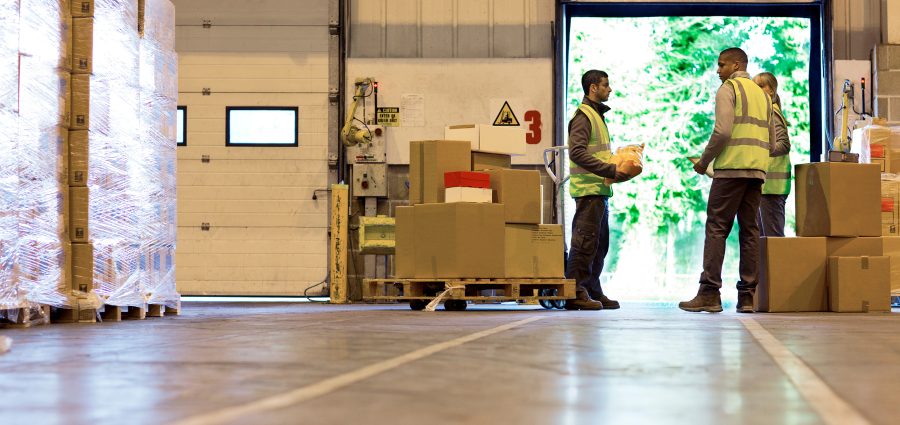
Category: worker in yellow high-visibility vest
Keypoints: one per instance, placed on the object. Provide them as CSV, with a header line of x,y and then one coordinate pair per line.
x,y
739,150
589,151
778,178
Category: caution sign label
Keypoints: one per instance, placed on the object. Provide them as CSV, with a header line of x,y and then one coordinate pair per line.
x,y
506,116
388,116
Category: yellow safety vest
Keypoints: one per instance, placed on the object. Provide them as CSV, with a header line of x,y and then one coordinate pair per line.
x,y
748,147
583,182
778,178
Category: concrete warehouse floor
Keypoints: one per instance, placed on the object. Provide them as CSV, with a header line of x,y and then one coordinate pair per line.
x,y
325,364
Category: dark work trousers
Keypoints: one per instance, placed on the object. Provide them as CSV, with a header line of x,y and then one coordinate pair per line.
x,y
729,198
590,242
771,215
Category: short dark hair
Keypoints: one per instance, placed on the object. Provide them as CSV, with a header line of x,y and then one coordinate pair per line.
x,y
592,77
736,54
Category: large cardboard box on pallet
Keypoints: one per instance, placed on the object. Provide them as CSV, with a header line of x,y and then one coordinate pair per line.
x,y
838,199
78,215
78,157
404,242
82,45
461,240
534,251
891,248
428,161
82,267
520,192
792,275
859,284
81,102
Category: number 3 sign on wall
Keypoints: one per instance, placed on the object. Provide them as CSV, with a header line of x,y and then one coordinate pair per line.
x,y
533,118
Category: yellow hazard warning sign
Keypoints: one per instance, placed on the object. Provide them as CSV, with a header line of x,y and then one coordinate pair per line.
x,y
506,116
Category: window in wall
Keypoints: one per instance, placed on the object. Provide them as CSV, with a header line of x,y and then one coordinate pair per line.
x,y
182,126
261,126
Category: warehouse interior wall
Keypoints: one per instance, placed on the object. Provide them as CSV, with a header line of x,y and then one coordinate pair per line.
x,y
265,234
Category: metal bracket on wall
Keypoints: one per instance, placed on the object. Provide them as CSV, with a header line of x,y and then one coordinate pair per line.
x,y
333,95
204,227
204,159
207,23
206,91
334,28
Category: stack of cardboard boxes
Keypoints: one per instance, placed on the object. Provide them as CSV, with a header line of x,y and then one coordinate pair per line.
x,y
454,233
82,54
839,261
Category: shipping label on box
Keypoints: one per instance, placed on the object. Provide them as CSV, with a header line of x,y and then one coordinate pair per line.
x,y
468,194
520,192
792,275
461,240
534,251
859,284
838,199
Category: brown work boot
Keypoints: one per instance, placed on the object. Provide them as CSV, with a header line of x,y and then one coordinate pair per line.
x,y
583,301
707,300
745,302
608,304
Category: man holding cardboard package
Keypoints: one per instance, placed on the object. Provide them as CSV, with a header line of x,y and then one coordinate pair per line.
x,y
589,151
740,146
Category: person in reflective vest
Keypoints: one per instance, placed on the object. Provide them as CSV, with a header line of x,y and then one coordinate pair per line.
x,y
739,150
778,178
589,149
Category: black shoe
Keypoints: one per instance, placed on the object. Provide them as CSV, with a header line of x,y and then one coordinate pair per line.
x,y
707,300
745,302
583,301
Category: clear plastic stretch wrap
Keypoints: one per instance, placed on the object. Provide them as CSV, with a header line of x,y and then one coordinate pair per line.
x,y
9,179
42,249
117,177
159,98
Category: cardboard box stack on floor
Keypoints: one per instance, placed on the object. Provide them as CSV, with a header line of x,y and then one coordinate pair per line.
x,y
474,224
837,261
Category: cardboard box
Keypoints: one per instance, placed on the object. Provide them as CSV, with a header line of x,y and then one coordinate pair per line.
x,y
890,208
884,147
78,157
490,161
520,192
859,284
82,45
838,199
428,161
404,243
489,138
82,267
535,251
891,248
82,8
468,194
78,216
467,179
81,102
462,240
791,275
853,247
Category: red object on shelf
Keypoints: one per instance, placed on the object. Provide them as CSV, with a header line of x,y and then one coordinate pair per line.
x,y
467,179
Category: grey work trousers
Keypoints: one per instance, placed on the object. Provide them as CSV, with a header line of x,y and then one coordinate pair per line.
x,y
771,215
730,197
590,243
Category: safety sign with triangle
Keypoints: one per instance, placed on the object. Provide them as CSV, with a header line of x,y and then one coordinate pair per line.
x,y
506,117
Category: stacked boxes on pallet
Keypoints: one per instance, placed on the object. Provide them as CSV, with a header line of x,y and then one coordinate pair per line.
x,y
470,215
837,262
9,179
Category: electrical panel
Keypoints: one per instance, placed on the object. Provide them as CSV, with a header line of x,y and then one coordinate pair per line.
x,y
370,180
372,152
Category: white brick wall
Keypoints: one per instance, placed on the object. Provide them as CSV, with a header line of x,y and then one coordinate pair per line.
x,y
267,236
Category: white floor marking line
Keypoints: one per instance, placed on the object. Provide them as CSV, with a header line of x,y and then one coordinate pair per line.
x,y
321,388
831,408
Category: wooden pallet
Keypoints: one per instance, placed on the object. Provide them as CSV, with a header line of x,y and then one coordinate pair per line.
x,y
115,313
467,289
160,310
25,317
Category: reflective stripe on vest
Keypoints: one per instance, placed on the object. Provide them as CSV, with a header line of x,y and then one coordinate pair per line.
x,y
748,147
581,181
778,178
